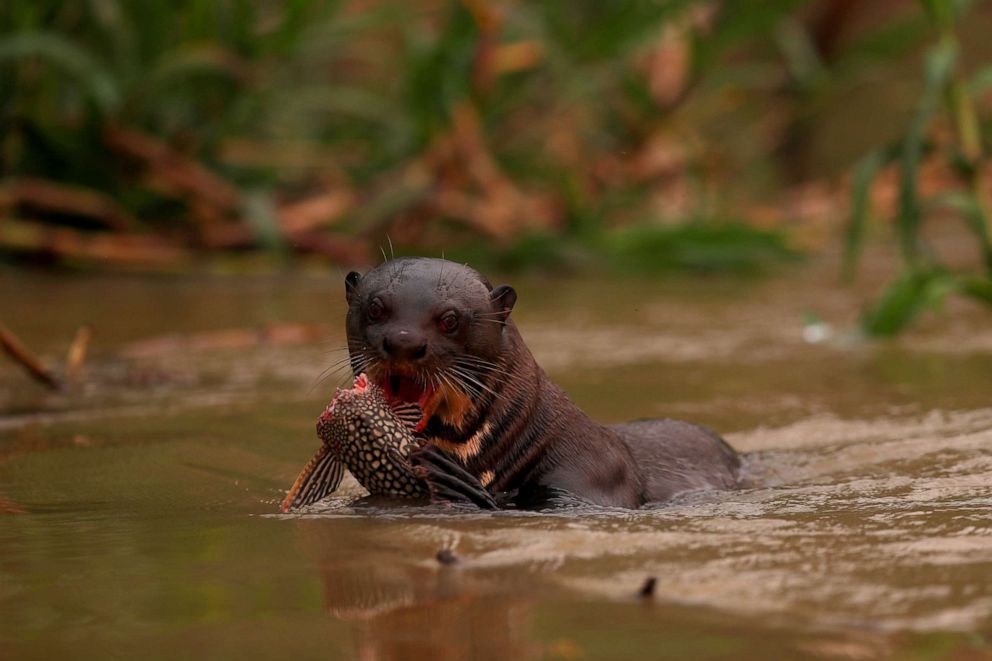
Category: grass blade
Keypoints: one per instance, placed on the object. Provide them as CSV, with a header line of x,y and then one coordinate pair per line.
x,y
981,81
96,80
974,215
905,298
939,65
977,288
861,181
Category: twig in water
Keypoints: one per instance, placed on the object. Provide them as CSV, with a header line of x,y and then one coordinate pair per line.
x,y
76,356
20,353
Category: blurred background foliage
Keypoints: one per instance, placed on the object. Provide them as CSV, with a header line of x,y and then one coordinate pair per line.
x,y
645,135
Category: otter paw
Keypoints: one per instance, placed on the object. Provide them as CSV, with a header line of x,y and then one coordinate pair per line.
x,y
448,481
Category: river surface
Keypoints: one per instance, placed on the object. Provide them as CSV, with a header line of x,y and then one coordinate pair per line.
x,y
138,508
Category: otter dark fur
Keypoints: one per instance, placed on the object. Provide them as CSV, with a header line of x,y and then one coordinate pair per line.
x,y
438,333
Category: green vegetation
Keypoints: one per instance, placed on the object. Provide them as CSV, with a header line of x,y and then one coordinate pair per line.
x,y
693,246
559,134
925,281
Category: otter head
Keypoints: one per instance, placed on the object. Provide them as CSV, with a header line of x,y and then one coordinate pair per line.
x,y
427,331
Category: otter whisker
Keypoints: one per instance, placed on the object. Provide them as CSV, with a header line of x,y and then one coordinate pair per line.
x,y
458,383
362,363
340,360
455,382
444,379
475,360
332,368
352,363
441,380
355,365
471,379
469,373
339,376
482,371
482,365
336,349
362,358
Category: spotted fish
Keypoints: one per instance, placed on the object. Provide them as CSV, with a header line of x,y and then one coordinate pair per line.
x,y
370,438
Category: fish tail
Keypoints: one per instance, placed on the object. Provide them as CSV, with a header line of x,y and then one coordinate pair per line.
x,y
318,479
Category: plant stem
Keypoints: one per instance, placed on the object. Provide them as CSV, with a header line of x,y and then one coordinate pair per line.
x,y
970,142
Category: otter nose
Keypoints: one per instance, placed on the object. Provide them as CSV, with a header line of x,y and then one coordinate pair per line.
x,y
404,345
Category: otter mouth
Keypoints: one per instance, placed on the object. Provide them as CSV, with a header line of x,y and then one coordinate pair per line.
x,y
406,387
435,396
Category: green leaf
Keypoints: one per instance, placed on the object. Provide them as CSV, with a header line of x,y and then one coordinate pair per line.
x,y
974,215
861,181
696,246
941,12
799,53
97,81
187,61
739,22
439,74
939,65
259,210
895,38
905,298
981,81
977,288
596,30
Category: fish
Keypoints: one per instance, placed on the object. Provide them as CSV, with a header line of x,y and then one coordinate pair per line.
x,y
370,437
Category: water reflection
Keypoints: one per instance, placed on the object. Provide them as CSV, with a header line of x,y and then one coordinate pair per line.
x,y
404,608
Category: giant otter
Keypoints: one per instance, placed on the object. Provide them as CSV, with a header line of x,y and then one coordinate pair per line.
x,y
437,333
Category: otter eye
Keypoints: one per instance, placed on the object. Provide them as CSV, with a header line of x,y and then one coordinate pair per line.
x,y
448,322
375,311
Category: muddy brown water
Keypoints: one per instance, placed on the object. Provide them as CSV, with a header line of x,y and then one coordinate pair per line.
x,y
139,508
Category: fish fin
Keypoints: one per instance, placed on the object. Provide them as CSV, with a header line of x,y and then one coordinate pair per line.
x,y
408,413
318,479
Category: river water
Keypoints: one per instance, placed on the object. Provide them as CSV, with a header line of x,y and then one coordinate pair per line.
x,y
138,508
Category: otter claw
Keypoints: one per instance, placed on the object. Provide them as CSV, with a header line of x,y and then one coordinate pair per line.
x,y
450,482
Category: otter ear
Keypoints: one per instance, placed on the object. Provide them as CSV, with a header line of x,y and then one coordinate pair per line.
x,y
351,284
503,298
